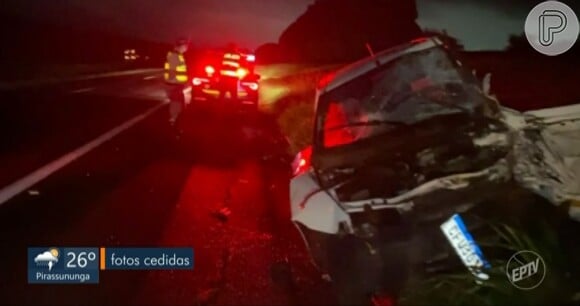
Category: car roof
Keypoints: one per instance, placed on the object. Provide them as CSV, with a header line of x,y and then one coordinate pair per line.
x,y
369,63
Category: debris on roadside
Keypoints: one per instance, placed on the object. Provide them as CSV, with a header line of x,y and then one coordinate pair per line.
x,y
222,214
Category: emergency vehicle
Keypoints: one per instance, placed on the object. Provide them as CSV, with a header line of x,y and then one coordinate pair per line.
x,y
215,70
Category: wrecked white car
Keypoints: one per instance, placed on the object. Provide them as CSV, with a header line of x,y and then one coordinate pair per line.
x,y
405,142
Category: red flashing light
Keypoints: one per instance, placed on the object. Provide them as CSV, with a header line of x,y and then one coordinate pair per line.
x,y
251,58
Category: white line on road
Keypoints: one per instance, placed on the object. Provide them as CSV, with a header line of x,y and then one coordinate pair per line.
x,y
83,90
55,80
28,181
150,77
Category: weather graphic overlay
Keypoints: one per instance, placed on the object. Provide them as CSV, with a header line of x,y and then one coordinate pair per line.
x,y
63,265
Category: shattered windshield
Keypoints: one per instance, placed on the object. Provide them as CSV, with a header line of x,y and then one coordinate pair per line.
x,y
411,89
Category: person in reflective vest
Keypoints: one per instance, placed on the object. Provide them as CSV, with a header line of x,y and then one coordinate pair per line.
x,y
176,79
230,72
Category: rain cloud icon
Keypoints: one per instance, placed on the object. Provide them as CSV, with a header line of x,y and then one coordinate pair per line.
x,y
48,258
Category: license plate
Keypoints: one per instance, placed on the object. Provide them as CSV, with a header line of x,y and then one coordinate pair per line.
x,y
465,246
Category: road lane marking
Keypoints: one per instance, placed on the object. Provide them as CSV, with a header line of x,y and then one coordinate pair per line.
x,y
55,80
33,178
150,77
83,90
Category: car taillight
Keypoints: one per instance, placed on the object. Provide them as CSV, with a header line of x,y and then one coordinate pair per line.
x,y
251,85
302,166
209,70
199,81
301,163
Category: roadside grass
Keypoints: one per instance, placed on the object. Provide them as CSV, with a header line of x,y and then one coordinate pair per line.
x,y
296,122
276,85
558,287
277,71
289,95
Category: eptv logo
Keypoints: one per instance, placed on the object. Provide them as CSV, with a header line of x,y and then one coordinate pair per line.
x,y
552,28
526,270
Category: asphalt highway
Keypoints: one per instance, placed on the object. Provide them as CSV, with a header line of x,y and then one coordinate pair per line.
x,y
94,163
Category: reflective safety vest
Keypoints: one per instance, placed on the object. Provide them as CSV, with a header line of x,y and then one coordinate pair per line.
x,y
230,65
175,68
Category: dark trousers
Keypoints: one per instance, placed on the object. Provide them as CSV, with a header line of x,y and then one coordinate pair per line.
x,y
176,100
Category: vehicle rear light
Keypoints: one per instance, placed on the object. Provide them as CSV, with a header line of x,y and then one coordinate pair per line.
x,y
251,85
251,58
209,70
198,81
301,163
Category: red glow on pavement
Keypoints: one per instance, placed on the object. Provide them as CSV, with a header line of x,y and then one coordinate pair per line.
x,y
383,301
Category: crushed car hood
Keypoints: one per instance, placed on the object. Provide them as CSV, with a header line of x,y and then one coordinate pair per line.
x,y
400,161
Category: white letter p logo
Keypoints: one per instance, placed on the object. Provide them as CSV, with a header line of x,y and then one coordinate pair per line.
x,y
551,22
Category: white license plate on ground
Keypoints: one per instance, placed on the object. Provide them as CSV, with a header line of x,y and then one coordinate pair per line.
x,y
465,246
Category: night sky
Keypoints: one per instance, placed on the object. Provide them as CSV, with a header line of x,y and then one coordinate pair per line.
x,y
478,24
